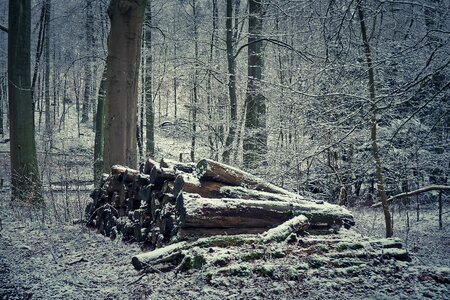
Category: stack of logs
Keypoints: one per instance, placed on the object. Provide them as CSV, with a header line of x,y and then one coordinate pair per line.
x,y
170,200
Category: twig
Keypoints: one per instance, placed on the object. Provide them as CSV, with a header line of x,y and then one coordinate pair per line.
x,y
77,261
136,280
148,269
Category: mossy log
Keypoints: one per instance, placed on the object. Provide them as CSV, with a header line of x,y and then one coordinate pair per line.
x,y
174,252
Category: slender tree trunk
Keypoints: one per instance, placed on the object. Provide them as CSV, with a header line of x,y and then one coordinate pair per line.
x,y
375,150
255,136
149,111
48,118
88,65
231,83
2,100
100,129
175,83
38,53
124,47
209,88
195,83
25,181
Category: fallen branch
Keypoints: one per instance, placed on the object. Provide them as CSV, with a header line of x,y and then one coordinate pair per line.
x,y
417,192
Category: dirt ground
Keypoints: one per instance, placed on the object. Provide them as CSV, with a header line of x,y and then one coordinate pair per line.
x,y
59,261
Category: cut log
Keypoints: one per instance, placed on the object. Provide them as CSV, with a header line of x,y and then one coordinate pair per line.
x,y
176,165
128,175
195,211
148,165
211,170
168,198
167,187
159,175
190,184
244,193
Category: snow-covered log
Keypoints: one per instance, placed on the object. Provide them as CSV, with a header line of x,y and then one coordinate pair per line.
x,y
195,211
159,175
191,184
128,174
176,165
211,170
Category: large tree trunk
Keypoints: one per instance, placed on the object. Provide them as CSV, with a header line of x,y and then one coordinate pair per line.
x,y
124,45
255,136
25,181
375,150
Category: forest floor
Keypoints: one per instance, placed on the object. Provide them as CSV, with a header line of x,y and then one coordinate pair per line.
x,y
61,261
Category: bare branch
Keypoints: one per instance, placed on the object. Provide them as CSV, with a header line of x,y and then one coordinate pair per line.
x,y
275,42
417,192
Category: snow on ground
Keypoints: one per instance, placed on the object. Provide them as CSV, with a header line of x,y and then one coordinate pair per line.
x,y
60,261
55,260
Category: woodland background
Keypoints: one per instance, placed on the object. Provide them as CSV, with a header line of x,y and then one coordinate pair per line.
x,y
317,115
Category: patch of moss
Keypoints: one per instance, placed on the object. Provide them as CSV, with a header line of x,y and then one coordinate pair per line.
x,y
195,262
315,261
302,266
252,256
278,254
292,273
266,271
345,246
236,270
321,248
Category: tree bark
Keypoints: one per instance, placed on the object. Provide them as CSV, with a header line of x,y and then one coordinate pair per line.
x,y
25,181
149,111
88,68
48,117
231,61
100,129
124,45
255,135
